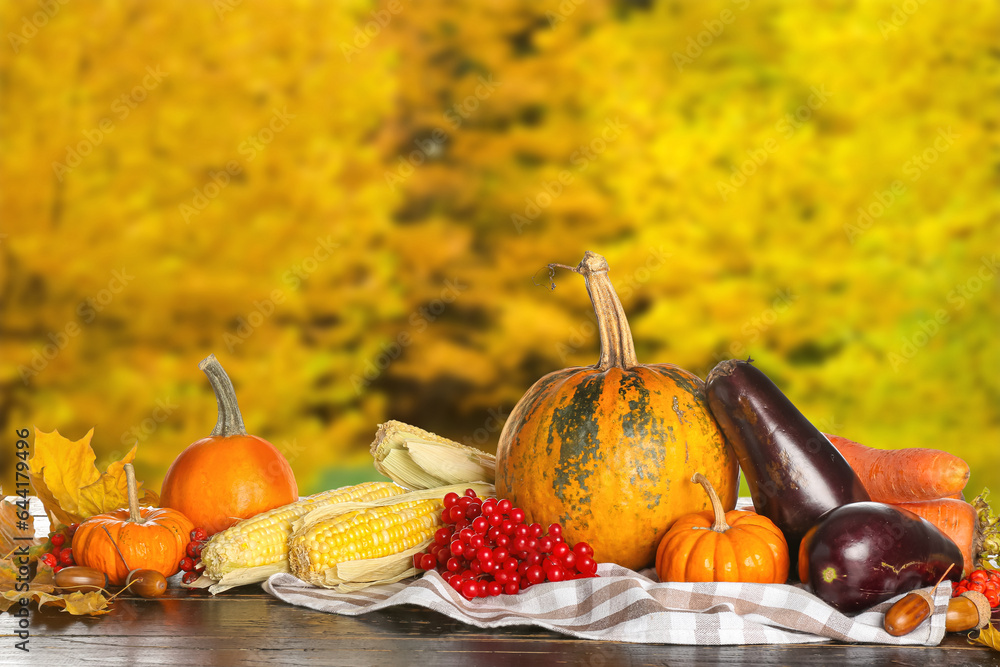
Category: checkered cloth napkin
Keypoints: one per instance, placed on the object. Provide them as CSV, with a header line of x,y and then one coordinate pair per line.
x,y
626,606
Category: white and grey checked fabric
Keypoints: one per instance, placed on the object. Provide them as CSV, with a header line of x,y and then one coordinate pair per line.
x,y
626,606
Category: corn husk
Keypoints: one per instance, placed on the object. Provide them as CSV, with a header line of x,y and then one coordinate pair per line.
x,y
986,540
418,459
350,576
240,577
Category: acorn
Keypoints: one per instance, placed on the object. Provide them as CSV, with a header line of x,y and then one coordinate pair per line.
x,y
79,578
968,611
904,616
146,583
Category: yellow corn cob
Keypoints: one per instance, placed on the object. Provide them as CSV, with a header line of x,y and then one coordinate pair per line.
x,y
352,545
364,534
257,547
419,459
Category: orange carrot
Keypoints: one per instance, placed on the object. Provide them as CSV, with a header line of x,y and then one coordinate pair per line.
x,y
955,518
904,475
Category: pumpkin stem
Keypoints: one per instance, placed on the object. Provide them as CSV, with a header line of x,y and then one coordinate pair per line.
x,y
230,420
135,516
617,347
720,525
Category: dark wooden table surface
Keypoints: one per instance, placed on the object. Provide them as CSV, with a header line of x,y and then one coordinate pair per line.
x,y
246,626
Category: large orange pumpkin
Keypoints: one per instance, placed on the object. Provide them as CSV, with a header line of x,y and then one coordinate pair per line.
x,y
607,450
229,475
137,538
723,546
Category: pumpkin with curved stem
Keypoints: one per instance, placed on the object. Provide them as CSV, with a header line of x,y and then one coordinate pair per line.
x,y
607,450
230,475
151,538
723,546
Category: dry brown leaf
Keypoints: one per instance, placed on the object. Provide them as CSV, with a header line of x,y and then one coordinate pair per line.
x,y
84,604
77,604
70,486
14,573
15,524
8,581
988,636
45,579
42,589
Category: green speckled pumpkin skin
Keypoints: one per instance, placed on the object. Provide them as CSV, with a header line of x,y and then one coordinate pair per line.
x,y
610,455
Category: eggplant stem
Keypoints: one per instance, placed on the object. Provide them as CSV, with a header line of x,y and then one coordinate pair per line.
x,y
720,525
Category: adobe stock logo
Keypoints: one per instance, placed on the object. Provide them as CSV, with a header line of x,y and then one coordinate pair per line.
x,y
697,44
914,168
363,35
38,20
87,310
419,320
121,108
581,159
786,127
249,148
958,297
432,146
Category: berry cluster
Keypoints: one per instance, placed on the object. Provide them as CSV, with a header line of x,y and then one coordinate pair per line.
x,y
60,553
191,564
986,582
485,548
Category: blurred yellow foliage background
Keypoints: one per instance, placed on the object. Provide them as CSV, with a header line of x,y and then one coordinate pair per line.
x,y
351,204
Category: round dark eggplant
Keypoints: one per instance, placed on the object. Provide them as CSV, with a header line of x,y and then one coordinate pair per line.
x,y
864,553
794,473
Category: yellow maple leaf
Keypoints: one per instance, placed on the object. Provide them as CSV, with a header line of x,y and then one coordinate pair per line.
x,y
66,480
110,488
988,636
60,467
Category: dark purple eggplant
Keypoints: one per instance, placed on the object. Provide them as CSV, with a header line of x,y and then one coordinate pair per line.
x,y
794,473
864,553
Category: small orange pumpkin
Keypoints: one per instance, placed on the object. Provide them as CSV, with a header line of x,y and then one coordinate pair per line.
x,y
148,538
230,475
722,546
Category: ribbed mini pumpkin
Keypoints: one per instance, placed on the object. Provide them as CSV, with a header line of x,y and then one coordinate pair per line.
x,y
723,546
607,450
137,538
